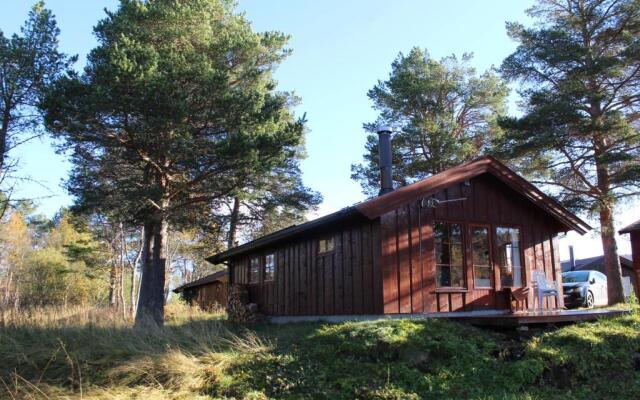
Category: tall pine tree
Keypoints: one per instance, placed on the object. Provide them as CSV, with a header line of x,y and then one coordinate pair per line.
x,y
580,69
442,111
29,62
176,106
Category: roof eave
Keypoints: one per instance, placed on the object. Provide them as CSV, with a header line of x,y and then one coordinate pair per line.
x,y
487,164
344,214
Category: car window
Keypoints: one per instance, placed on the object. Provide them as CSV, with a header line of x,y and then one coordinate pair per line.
x,y
575,276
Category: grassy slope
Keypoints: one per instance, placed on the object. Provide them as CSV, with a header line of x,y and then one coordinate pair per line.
x,y
199,355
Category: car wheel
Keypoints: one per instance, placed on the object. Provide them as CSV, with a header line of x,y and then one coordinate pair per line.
x,y
589,301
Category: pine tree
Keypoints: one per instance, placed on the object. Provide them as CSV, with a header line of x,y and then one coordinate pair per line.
x,y
29,63
580,70
176,106
443,113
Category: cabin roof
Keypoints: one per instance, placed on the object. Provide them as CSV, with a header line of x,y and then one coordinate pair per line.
x,y
375,207
631,228
215,277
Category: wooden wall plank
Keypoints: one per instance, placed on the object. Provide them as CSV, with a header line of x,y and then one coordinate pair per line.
x,y
367,272
356,266
428,256
328,284
415,249
376,265
457,303
347,266
404,260
339,271
388,263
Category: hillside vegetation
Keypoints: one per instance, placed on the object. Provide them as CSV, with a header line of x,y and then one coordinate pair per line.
x,y
91,354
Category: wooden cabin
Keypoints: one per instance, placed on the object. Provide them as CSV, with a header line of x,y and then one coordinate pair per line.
x,y
459,240
634,231
208,293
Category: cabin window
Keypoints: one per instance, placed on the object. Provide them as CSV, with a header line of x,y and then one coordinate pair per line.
x,y
508,241
254,270
481,250
269,267
325,245
448,247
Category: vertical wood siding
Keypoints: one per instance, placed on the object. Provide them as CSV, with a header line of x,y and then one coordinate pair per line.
x,y
345,281
211,295
408,265
388,266
635,254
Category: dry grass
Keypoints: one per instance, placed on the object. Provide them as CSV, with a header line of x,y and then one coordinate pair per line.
x,y
90,353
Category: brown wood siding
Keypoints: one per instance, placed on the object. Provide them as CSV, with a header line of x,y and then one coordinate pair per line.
x,y
347,280
211,295
408,265
635,251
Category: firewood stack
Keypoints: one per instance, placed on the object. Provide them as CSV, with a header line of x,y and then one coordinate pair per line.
x,y
238,307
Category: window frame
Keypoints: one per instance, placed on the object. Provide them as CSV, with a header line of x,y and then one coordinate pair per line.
x,y
463,238
264,268
326,238
260,259
523,274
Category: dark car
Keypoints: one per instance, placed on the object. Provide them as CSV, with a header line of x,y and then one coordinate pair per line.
x,y
584,289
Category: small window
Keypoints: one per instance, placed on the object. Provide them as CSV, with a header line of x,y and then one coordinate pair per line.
x,y
254,270
509,256
325,245
269,267
449,260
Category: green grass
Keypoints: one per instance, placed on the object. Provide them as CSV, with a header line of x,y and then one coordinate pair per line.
x,y
197,355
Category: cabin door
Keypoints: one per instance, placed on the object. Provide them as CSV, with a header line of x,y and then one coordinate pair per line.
x,y
482,267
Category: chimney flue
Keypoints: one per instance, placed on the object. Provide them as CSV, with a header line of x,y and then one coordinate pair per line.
x,y
384,150
572,259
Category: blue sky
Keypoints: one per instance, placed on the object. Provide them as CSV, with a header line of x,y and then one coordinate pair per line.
x,y
340,50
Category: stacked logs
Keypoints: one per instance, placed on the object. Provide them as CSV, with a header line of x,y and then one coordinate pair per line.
x,y
238,307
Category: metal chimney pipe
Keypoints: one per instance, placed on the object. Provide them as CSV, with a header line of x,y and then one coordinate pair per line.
x,y
384,149
572,259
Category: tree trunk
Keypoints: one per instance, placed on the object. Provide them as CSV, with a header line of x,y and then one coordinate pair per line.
x,y
4,132
612,267
7,292
611,259
134,265
123,251
113,283
233,223
151,298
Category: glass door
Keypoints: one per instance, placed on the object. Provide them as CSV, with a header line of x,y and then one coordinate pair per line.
x,y
482,262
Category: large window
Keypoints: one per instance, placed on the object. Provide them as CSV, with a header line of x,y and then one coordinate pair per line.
x,y
508,241
325,245
254,270
269,267
481,250
449,260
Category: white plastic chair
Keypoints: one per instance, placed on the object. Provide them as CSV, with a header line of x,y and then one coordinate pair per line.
x,y
543,287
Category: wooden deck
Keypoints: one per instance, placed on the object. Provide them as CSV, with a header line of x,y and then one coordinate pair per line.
x,y
489,318
532,317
